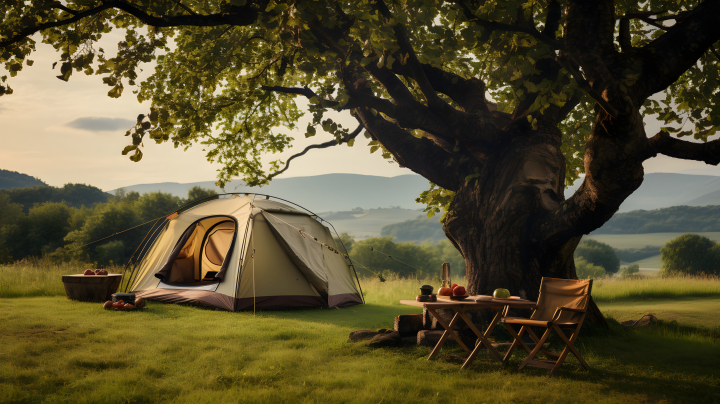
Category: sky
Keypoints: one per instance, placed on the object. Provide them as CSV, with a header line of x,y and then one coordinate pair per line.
x,y
72,132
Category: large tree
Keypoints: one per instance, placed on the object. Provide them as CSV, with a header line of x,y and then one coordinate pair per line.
x,y
569,83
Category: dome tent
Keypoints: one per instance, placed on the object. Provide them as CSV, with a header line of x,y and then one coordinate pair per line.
x,y
243,251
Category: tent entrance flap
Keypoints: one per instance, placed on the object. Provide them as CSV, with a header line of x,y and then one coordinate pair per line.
x,y
305,252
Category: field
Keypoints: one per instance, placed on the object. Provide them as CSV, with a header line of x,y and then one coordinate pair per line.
x,y
369,222
650,265
53,350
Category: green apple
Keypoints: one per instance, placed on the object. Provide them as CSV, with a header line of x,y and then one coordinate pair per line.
x,y
501,293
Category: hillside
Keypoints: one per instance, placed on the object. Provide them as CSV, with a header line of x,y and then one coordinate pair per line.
x,y
75,195
12,179
363,223
662,190
673,219
321,193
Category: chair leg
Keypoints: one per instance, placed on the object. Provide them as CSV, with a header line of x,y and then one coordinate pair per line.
x,y
549,354
535,351
570,344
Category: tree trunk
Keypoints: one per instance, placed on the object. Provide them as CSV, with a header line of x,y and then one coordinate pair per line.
x,y
493,220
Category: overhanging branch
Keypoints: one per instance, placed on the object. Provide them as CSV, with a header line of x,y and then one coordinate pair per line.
x,y
330,143
663,143
233,15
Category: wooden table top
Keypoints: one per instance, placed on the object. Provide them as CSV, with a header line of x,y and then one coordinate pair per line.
x,y
473,302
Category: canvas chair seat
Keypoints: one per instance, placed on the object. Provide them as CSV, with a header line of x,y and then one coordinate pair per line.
x,y
561,303
536,323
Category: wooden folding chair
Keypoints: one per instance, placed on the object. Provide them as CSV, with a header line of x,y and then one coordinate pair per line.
x,y
562,304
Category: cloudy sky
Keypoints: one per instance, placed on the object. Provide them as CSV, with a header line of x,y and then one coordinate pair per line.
x,y
73,132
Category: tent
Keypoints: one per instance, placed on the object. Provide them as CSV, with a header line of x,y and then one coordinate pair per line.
x,y
243,251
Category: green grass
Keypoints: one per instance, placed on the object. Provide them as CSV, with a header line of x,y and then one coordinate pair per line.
x,y
39,277
645,288
53,350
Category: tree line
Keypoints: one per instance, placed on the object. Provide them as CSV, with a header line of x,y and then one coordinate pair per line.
x,y
383,256
64,231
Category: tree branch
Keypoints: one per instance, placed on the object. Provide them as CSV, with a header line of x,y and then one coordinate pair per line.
x,y
493,25
668,57
663,143
419,155
240,16
330,143
304,91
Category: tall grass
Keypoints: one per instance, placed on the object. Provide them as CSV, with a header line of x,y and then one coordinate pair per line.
x,y
32,277
612,289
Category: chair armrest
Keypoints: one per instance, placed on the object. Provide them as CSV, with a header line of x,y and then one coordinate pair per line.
x,y
571,309
559,311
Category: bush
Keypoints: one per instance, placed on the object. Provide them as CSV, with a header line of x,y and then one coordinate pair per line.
x,y
600,254
587,270
690,254
630,270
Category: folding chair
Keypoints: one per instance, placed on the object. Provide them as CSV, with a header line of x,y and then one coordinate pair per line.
x,y
562,304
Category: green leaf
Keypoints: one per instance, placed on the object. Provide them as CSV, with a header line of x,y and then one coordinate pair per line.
x,y
128,149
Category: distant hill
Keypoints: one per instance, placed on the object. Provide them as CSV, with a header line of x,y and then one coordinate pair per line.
x,y
417,229
321,193
363,223
12,179
667,220
75,195
662,190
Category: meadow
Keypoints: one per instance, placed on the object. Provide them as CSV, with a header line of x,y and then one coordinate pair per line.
x,y
54,350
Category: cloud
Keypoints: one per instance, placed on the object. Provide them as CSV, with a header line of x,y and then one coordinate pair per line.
x,y
98,124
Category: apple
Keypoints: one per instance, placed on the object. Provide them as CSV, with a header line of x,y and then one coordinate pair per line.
x,y
501,293
445,292
140,303
101,272
459,291
454,285
108,305
118,305
89,272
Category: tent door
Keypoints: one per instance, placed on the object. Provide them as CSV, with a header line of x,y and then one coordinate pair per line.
x,y
215,246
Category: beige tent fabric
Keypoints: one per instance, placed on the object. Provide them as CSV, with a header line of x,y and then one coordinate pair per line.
x,y
295,272
303,250
556,293
275,274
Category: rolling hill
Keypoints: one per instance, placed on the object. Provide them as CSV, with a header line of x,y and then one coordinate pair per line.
x,y
12,179
321,193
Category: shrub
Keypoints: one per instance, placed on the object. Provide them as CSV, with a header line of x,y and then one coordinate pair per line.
x,y
690,254
600,254
587,270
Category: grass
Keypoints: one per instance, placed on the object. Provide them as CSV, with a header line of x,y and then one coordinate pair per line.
x,y
646,288
53,350
39,277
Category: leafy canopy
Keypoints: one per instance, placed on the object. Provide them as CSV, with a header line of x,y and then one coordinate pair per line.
x,y
214,62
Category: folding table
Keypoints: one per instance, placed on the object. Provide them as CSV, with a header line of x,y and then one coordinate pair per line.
x,y
460,307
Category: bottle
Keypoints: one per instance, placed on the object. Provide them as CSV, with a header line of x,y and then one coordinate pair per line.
x,y
446,282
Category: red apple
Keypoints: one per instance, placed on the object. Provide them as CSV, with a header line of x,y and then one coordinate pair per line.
x,y
454,285
89,272
140,303
108,305
459,291
445,292
118,305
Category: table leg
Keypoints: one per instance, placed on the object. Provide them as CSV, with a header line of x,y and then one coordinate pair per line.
x,y
448,333
482,340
